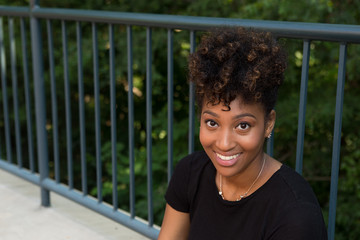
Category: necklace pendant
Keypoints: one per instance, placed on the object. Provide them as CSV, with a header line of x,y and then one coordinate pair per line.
x,y
222,196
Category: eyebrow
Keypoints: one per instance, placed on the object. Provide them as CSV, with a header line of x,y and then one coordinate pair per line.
x,y
235,117
211,113
244,115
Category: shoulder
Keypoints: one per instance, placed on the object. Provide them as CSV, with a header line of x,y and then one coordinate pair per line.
x,y
302,221
300,215
191,166
298,188
193,162
185,179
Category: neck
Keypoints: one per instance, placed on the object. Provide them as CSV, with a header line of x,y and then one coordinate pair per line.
x,y
242,185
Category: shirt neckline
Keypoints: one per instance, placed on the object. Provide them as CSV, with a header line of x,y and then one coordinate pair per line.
x,y
244,200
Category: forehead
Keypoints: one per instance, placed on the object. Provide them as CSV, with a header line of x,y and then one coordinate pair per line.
x,y
237,106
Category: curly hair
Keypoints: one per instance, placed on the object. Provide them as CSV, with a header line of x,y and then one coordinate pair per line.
x,y
232,62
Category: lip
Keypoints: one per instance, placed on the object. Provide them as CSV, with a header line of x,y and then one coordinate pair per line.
x,y
227,160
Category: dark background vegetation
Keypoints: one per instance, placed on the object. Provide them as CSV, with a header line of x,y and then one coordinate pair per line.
x,y
319,115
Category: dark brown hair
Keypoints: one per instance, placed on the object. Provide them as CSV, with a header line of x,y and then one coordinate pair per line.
x,y
232,62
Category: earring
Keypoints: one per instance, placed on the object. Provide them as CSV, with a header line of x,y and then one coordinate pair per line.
x,y
269,136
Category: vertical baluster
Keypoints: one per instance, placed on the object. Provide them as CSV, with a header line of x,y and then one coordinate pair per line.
x,y
40,103
54,113
337,141
149,123
1,63
4,92
97,113
170,101
131,121
27,95
15,93
302,106
113,115
192,99
81,110
67,105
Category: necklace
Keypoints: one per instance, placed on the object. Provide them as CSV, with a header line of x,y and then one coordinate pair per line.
x,y
246,193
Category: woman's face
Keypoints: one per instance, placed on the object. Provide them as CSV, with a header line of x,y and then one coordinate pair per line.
x,y
234,139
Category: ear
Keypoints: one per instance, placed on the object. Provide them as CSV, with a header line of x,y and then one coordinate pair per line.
x,y
271,118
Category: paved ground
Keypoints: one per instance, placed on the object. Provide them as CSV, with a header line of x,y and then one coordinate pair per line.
x,y
22,217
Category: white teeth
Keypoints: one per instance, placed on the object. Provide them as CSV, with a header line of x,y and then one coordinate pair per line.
x,y
226,158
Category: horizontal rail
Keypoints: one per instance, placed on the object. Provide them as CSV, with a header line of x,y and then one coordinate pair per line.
x,y
20,172
300,30
14,11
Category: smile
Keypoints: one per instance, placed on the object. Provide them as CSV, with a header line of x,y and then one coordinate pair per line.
x,y
227,158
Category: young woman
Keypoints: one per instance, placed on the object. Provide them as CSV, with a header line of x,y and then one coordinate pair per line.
x,y
232,189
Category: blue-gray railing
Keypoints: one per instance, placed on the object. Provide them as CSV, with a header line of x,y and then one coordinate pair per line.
x,y
343,34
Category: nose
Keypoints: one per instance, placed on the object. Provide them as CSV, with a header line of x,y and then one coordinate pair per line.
x,y
225,141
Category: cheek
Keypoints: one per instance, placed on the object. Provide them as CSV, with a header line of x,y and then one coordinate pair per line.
x,y
204,137
252,141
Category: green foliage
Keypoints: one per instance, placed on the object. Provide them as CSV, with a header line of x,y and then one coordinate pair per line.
x,y
319,113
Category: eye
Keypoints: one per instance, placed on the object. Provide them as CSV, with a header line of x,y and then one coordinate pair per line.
x,y
243,126
211,123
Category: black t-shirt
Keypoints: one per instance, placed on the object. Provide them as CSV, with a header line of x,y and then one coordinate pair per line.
x,y
284,208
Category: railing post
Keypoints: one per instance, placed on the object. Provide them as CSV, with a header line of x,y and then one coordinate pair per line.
x,y
149,124
38,73
131,120
170,90
302,107
192,100
337,140
4,93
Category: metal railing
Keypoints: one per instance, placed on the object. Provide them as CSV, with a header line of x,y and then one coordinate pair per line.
x,y
40,17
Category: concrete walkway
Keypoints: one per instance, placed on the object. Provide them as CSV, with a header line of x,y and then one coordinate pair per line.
x,y
22,217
